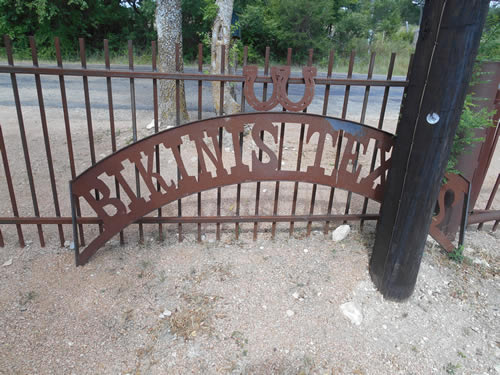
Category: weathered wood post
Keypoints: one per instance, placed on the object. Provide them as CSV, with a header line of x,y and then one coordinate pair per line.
x,y
446,49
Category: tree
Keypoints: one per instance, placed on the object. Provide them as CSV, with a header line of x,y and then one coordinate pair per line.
x,y
169,29
94,20
221,36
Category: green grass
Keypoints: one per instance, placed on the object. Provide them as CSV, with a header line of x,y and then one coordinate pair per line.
x,y
341,64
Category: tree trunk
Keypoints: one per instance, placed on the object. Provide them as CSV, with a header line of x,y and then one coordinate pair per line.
x,y
169,28
221,35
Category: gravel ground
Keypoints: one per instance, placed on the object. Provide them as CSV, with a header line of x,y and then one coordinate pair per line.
x,y
265,307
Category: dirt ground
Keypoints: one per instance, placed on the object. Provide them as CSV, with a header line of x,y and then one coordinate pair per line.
x,y
264,307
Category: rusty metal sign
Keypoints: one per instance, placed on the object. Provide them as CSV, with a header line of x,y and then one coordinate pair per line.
x,y
456,190
116,213
280,76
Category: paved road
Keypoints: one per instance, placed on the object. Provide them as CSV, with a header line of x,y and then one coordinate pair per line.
x,y
143,89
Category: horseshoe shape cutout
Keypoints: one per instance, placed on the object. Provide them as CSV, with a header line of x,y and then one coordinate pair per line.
x,y
250,73
309,72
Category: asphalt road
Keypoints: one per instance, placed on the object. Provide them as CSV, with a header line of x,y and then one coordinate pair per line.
x,y
144,97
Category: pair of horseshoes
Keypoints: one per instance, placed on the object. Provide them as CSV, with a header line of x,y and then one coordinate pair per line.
x,y
280,76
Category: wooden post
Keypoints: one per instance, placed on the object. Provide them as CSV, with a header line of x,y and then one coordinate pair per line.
x,y
446,49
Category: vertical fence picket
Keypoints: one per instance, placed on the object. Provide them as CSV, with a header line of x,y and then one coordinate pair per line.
x,y
315,186
24,141
46,140
10,187
324,113
261,135
156,129
221,112
200,111
490,199
280,154
88,112
299,162
134,127
238,187
362,120
340,136
109,89
379,126
177,123
67,128
410,63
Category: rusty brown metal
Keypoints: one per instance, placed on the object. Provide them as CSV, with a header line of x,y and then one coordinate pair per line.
x,y
141,155
280,153
116,73
238,187
451,194
480,216
10,187
371,66
22,131
111,122
264,96
280,77
380,124
474,162
200,107
67,128
490,200
191,219
46,139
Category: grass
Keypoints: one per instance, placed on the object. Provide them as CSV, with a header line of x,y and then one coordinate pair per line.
x,y
341,64
457,255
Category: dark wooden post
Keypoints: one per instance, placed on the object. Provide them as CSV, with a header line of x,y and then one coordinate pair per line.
x,y
446,49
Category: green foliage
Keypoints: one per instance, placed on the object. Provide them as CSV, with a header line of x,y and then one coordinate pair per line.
x,y
470,121
457,255
197,20
473,119
94,20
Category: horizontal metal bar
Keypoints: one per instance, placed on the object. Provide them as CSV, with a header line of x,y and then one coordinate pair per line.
x,y
188,76
482,216
193,219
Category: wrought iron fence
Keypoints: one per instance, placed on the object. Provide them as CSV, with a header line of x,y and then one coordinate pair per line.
x,y
63,167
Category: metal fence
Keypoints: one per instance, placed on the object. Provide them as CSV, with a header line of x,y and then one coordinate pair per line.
x,y
33,210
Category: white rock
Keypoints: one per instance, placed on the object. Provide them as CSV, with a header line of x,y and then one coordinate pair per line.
x,y
480,262
306,250
7,263
296,295
352,312
67,243
165,314
340,233
151,125
290,313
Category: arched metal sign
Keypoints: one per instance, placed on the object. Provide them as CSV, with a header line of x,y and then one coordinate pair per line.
x,y
117,213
